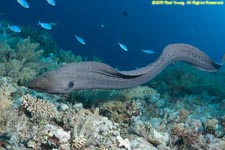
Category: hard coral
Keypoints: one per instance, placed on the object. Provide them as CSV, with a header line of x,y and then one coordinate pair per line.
x,y
39,108
78,143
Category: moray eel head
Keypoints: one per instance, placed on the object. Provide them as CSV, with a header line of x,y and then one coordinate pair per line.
x,y
50,82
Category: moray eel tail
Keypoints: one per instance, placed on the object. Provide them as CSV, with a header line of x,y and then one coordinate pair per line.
x,y
191,55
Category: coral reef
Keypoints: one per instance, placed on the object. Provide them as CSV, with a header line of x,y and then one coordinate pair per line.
x,y
84,129
185,109
70,126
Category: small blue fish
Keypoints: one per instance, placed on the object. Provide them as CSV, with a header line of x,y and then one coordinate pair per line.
x,y
23,3
14,28
148,51
102,26
123,47
44,25
0,25
51,2
80,39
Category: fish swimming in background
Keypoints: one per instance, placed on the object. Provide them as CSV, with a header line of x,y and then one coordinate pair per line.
x,y
51,2
23,3
14,28
0,25
125,13
80,39
148,51
123,46
44,25
102,26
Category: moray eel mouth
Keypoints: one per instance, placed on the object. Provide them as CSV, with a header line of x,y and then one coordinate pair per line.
x,y
45,84
49,82
36,84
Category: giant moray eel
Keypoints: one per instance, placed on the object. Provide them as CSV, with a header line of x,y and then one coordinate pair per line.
x,y
95,75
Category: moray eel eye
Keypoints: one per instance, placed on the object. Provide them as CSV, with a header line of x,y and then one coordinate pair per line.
x,y
69,87
70,84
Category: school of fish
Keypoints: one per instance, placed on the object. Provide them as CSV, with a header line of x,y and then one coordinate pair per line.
x,y
49,26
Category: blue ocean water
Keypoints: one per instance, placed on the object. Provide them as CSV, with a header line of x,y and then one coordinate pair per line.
x,y
145,27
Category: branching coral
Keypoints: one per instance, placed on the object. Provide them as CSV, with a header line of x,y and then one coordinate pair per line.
x,y
39,108
78,143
